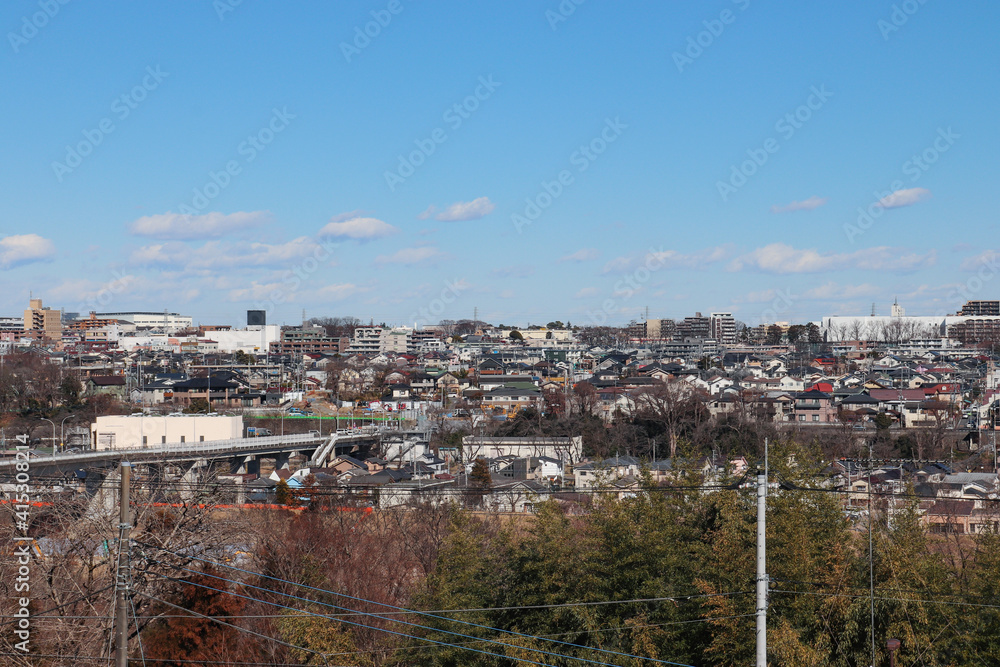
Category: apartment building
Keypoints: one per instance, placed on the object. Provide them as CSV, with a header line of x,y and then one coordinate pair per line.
x,y
303,340
695,327
981,309
722,327
43,320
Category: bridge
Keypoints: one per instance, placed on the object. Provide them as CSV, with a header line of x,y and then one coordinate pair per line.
x,y
243,454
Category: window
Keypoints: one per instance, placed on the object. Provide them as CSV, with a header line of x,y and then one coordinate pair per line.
x,y
201,438
802,418
144,440
163,439
815,418
182,438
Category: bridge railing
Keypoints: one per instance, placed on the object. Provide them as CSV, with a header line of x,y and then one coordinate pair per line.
x,y
205,447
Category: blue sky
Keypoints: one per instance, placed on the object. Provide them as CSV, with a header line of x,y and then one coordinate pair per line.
x,y
531,161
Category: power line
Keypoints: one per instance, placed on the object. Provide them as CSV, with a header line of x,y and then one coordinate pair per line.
x,y
369,627
383,604
416,625
235,627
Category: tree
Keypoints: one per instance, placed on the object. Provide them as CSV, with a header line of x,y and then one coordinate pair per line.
x,y
795,332
282,493
516,335
70,389
187,638
674,407
480,474
773,335
198,406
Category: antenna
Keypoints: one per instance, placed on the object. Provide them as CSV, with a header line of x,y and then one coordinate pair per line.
x,y
873,309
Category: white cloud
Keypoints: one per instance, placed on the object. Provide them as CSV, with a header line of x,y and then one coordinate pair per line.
x,y
338,292
357,228
581,255
658,258
428,212
231,255
406,256
782,258
208,225
586,292
804,205
507,294
22,249
832,291
515,271
986,258
463,210
904,198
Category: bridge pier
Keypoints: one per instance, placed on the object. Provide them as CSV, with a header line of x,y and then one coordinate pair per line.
x,y
191,478
281,460
240,465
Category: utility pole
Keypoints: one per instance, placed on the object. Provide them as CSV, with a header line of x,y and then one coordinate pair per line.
x,y
762,563
124,527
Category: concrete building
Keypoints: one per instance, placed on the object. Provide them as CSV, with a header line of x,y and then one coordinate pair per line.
x,y
44,320
567,450
130,431
981,309
694,327
722,328
367,340
152,320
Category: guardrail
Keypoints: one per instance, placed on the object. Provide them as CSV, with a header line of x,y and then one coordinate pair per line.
x,y
207,447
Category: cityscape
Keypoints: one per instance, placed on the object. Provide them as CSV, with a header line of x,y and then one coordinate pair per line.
x,y
395,334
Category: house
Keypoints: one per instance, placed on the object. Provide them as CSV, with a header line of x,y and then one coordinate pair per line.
x,y
112,385
814,407
510,400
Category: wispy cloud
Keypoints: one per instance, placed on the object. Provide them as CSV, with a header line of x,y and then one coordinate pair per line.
x,y
408,256
586,292
516,271
988,258
782,258
581,255
804,205
225,254
461,211
357,228
21,249
667,259
205,226
901,198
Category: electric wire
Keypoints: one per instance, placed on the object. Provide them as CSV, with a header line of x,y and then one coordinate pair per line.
x,y
357,599
416,625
